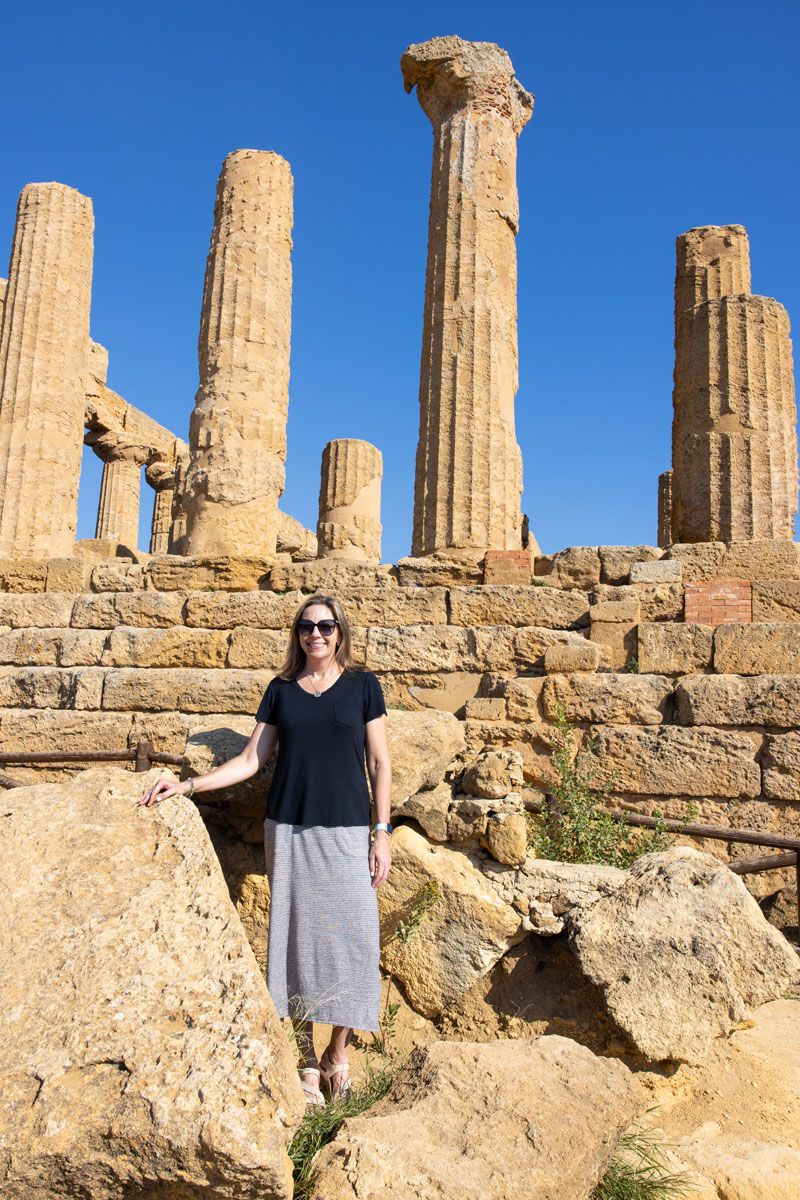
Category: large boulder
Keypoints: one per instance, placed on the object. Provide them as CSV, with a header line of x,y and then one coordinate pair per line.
x,y
140,1053
422,745
545,892
681,952
485,1121
460,937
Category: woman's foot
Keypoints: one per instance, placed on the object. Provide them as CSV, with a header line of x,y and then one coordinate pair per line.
x,y
309,1082
334,1077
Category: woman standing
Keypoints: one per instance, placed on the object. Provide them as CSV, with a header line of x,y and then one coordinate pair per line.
x,y
324,713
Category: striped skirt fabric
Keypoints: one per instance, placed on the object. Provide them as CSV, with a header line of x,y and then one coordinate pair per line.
x,y
324,942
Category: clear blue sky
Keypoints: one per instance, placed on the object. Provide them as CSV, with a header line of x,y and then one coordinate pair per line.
x,y
649,119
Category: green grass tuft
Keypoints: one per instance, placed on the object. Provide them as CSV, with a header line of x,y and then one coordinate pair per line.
x,y
638,1171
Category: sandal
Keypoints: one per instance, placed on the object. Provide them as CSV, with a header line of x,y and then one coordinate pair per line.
x,y
341,1089
311,1090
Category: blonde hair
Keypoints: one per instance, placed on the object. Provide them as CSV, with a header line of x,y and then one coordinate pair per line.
x,y
295,658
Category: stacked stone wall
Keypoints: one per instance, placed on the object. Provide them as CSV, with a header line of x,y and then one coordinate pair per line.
x,y
698,721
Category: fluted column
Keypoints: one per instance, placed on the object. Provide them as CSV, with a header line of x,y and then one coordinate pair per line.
x,y
349,523
734,440
665,509
161,477
177,533
238,428
3,289
44,345
469,467
118,511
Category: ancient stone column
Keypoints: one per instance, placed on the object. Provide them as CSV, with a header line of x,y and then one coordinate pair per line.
x,y
238,428
118,511
734,439
177,533
43,350
161,477
469,467
665,509
3,289
349,523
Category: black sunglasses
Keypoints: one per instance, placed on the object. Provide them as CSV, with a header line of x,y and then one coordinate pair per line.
x,y
326,628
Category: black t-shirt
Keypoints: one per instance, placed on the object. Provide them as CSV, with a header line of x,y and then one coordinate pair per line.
x,y
320,776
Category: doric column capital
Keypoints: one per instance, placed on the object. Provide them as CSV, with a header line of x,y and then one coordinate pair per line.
x,y
111,448
161,475
451,75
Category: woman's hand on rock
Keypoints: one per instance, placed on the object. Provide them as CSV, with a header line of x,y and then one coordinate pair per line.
x,y
380,858
162,789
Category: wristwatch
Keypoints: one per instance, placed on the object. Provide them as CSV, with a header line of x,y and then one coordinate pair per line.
x,y
383,825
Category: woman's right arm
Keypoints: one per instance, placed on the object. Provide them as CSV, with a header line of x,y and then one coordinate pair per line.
x,y
255,754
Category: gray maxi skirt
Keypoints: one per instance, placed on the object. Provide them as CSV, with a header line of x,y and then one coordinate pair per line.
x,y
324,942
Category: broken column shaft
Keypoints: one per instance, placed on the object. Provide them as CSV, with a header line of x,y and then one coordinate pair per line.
x,y
349,523
238,427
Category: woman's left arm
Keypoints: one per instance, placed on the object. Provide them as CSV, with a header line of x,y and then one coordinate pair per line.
x,y
379,769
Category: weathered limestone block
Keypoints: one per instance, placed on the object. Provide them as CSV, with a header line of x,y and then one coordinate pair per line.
x,y
774,600
225,610
666,570
262,648
763,649
52,647
607,698
447,690
225,573
418,648
329,575
422,746
237,433
23,574
31,730
439,570
773,559
107,610
533,740
68,575
466,931
493,774
429,809
781,767
161,477
548,608
657,601
564,659
395,606
176,647
118,511
667,759
44,345
533,1090
734,443
575,567
45,687
616,561
506,837
140,1044
118,577
523,697
530,644
152,689
469,467
50,610
514,567
294,539
672,648
682,953
349,524
485,708
612,627
545,892
772,700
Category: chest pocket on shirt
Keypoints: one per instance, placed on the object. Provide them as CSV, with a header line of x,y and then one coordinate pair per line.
x,y
346,711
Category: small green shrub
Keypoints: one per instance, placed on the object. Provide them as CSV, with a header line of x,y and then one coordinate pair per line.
x,y
632,665
638,1171
576,827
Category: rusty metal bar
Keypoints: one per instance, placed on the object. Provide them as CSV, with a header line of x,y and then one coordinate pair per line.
x,y
722,833
56,756
749,866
